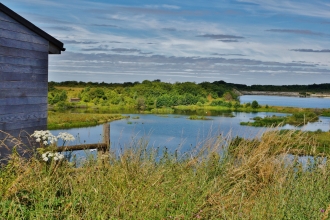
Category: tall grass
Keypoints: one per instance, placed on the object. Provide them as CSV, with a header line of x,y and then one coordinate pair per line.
x,y
225,179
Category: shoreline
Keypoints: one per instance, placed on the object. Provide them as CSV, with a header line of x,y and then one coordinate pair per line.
x,y
289,94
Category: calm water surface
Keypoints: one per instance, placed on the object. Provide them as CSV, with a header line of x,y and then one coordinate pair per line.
x,y
287,101
177,131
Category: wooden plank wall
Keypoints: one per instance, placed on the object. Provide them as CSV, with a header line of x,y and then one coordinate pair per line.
x,y
23,79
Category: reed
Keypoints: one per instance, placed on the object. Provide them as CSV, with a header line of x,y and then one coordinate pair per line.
x,y
222,178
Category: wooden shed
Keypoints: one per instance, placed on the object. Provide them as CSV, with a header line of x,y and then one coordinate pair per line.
x,y
24,50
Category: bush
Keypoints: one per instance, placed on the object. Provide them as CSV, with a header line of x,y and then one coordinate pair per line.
x,y
255,104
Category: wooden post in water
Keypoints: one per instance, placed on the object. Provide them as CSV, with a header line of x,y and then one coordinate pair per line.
x,y
103,149
106,137
103,152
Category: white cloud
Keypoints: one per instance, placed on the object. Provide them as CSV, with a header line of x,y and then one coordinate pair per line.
x,y
314,9
164,6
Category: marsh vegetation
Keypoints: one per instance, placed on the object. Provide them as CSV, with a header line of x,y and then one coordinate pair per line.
x,y
223,179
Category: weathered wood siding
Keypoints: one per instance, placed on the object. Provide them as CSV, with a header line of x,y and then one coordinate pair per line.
x,y
23,78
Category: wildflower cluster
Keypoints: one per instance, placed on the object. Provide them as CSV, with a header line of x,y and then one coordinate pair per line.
x,y
65,136
46,137
48,144
49,155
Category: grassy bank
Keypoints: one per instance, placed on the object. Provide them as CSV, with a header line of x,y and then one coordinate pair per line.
x,y
58,120
243,108
195,117
249,180
296,119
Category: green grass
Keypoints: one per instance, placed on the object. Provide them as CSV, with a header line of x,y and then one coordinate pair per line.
x,y
323,139
249,180
195,117
73,120
162,111
297,119
278,109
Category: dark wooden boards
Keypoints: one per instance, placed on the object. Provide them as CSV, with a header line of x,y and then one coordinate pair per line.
x,y
9,17
9,118
24,124
13,109
24,50
23,77
5,33
9,93
12,68
23,84
23,101
29,77
23,61
10,24
17,52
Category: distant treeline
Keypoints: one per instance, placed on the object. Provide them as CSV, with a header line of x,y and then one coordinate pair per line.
x,y
216,86
324,87
157,94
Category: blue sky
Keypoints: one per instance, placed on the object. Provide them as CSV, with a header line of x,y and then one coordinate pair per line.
x,y
239,41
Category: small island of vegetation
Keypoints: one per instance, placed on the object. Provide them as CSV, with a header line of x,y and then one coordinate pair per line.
x,y
297,119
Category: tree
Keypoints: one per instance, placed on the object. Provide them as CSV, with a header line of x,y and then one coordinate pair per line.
x,y
255,104
227,96
237,105
63,96
141,103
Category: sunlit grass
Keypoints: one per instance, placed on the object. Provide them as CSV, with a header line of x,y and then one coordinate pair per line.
x,y
278,109
250,179
70,120
162,111
297,119
195,117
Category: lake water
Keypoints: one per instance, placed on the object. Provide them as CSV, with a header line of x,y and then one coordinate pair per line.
x,y
177,131
287,101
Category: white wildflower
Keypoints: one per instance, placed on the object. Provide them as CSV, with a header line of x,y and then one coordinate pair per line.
x,y
45,159
55,158
65,136
44,136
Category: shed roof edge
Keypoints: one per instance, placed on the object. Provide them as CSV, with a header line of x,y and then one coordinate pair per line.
x,y
31,26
